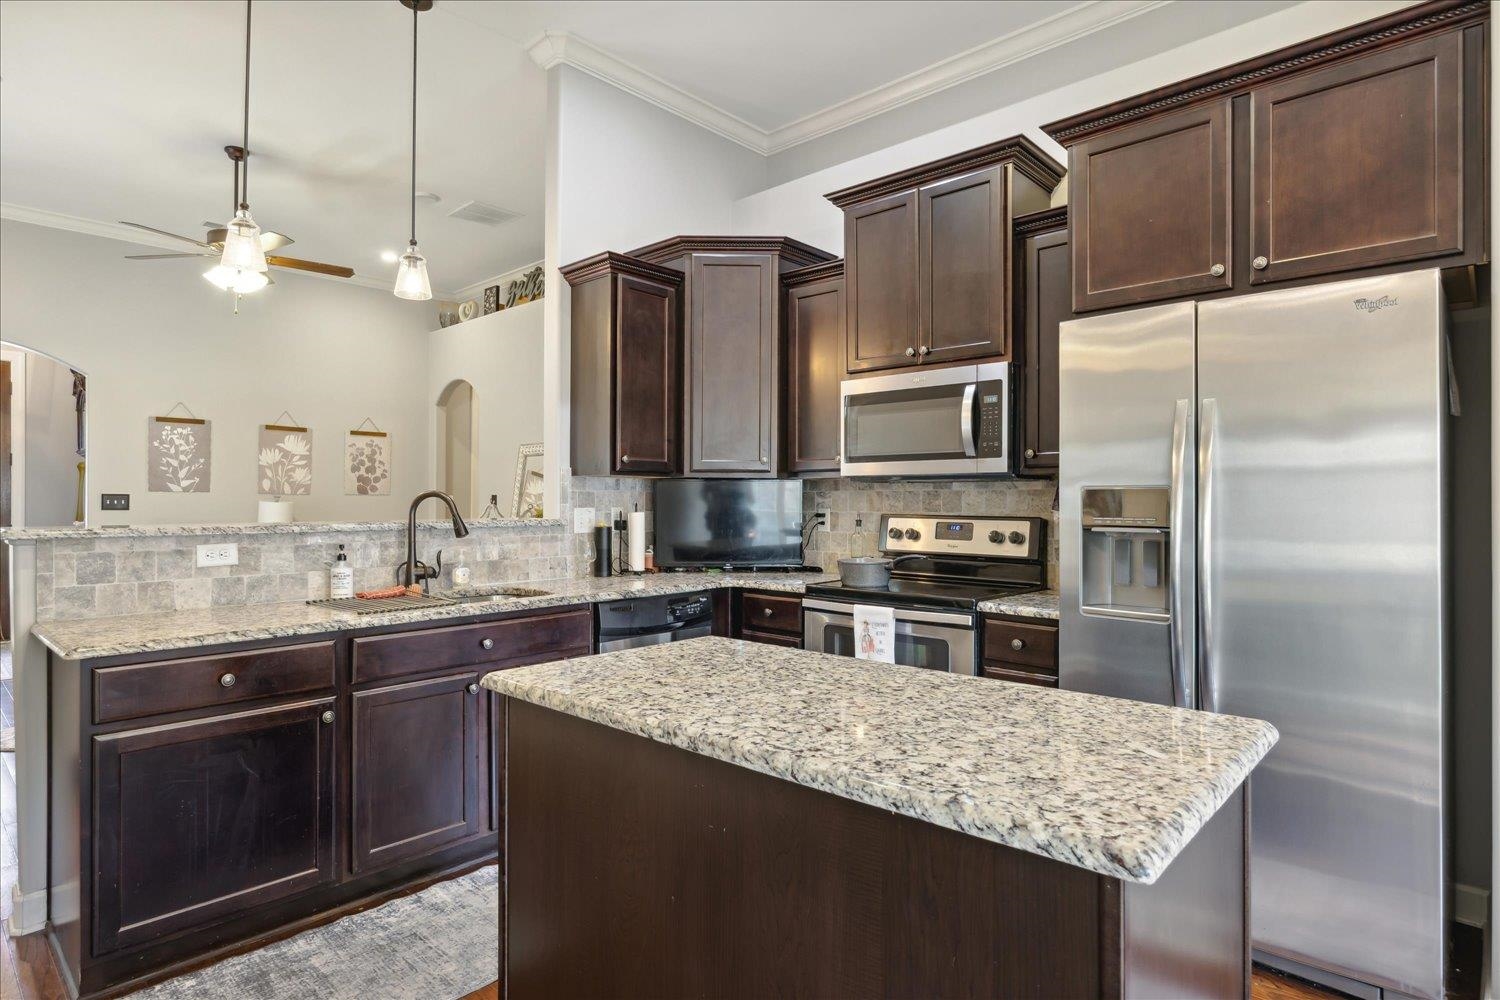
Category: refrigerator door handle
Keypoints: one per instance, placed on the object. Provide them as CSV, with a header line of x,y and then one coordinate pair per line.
x,y
1207,433
1180,640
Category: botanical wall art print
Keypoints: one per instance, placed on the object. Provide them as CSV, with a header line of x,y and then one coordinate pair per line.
x,y
285,461
178,455
367,464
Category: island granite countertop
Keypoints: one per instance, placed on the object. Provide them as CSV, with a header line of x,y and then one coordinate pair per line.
x,y
126,635
1113,786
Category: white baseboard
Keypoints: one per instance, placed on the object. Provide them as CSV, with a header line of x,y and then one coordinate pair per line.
x,y
1471,905
28,911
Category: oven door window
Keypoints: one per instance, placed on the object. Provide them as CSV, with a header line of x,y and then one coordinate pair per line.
x,y
927,652
905,425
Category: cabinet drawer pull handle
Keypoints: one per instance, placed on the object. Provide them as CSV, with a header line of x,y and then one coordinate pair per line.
x,y
923,350
1259,263
1217,270
487,643
768,612
473,688
1018,644
624,459
226,680
911,352
1031,453
328,716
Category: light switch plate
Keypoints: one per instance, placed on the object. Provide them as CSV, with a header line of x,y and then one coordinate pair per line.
x,y
114,501
583,520
219,554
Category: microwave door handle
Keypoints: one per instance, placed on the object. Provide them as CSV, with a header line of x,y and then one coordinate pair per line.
x,y
1180,636
966,420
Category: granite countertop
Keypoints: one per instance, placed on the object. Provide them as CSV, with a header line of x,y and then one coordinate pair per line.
x,y
1116,787
1041,604
258,528
124,635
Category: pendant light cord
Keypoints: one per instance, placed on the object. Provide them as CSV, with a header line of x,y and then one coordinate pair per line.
x,y
414,13
245,124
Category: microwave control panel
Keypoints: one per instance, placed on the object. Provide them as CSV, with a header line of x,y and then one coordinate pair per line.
x,y
990,430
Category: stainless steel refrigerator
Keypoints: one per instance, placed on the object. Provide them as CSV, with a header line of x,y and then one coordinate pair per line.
x,y
1251,508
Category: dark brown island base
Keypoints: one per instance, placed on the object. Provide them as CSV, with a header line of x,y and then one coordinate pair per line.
x,y
717,818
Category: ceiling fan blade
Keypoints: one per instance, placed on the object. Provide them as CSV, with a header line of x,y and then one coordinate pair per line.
x,y
271,242
163,256
311,265
163,232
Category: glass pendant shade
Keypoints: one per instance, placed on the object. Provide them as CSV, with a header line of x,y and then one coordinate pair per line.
x,y
242,248
411,276
237,280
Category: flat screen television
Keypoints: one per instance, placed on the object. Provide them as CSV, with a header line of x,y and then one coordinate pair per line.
x,y
738,523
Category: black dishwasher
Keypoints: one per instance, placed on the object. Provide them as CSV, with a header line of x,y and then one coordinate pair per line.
x,y
650,621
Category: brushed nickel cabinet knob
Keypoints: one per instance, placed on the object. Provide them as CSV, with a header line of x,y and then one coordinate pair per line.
x,y
328,717
1018,644
227,680
1217,270
767,612
923,350
487,643
1259,263
473,688
1031,453
624,459
911,352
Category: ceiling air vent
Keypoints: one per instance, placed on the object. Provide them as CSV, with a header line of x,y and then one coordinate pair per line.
x,y
482,213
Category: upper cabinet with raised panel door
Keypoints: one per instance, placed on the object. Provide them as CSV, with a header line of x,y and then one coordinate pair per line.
x,y
1361,149
1043,303
626,375
733,358
927,256
814,366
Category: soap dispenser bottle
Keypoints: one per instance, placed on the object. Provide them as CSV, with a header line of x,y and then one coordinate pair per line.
x,y
341,577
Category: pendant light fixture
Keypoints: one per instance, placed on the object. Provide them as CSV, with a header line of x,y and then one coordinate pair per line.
x,y
411,272
242,266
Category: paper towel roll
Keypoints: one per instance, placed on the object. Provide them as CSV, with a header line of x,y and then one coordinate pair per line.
x,y
637,528
275,512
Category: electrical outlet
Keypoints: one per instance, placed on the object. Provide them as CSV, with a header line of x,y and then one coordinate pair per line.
x,y
219,554
821,517
114,501
583,520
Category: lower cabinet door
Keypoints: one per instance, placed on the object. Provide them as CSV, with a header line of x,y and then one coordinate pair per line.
x,y
201,820
416,768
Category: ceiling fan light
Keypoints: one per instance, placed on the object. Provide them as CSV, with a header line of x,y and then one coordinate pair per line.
x,y
237,280
242,246
411,276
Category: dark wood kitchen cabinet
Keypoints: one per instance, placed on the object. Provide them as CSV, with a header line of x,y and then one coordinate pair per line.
x,y
927,253
814,366
1019,650
1360,150
733,356
1043,302
626,374
202,804
203,819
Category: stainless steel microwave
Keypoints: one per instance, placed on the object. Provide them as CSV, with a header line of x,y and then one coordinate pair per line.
x,y
929,422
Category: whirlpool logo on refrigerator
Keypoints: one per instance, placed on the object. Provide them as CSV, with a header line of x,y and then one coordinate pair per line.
x,y
1367,305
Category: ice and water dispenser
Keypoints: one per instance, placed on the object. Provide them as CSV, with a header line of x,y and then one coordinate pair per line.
x,y
1126,543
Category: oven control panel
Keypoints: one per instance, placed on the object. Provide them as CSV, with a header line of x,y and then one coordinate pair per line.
x,y
992,537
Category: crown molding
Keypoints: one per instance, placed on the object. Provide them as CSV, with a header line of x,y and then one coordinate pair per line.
x,y
553,48
139,237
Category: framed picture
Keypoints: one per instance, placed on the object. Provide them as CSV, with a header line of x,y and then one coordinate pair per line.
x,y
367,463
179,454
284,461
491,299
526,500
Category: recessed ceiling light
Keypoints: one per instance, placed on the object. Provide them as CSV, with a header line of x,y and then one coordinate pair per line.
x,y
389,256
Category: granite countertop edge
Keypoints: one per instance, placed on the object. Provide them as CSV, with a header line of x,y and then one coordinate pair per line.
x,y
85,639
1142,863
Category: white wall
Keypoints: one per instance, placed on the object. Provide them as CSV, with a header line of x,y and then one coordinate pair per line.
x,y
148,334
797,207
501,356
622,173
51,443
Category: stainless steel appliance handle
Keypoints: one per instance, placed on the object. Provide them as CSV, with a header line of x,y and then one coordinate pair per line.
x,y
1180,640
966,420
1207,434
902,614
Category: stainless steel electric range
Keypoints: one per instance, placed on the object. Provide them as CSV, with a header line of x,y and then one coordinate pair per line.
x,y
948,566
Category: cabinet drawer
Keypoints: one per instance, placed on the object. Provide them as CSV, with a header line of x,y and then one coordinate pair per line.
x,y
1024,646
770,639
507,643
997,672
768,613
137,690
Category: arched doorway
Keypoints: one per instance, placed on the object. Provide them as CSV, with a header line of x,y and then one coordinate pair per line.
x,y
457,419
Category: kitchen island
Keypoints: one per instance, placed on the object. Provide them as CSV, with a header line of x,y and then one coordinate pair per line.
x,y
721,818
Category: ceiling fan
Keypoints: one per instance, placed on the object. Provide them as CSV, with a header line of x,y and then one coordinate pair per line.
x,y
212,244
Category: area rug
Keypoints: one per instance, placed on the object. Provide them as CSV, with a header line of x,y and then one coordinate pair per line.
x,y
439,944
